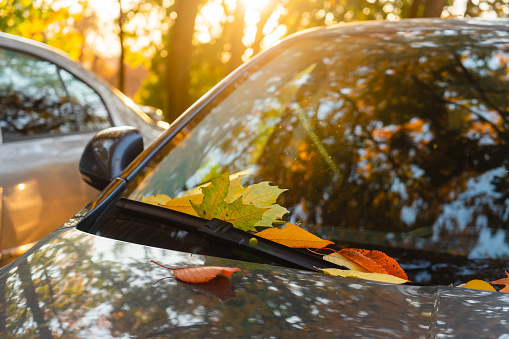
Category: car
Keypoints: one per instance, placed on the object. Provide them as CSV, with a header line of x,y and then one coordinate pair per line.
x,y
50,107
384,141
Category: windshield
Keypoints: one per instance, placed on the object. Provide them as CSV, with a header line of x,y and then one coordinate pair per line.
x,y
389,141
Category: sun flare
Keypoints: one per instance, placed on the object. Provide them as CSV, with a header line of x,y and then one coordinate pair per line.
x,y
255,5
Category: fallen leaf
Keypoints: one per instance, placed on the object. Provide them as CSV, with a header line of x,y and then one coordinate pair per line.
x,y
183,204
261,195
479,285
360,259
293,236
199,274
213,197
390,265
158,199
503,281
363,275
241,215
338,259
213,205
374,261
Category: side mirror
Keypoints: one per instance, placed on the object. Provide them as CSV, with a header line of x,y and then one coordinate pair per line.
x,y
108,153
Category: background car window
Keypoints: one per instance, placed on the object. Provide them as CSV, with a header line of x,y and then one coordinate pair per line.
x,y
33,100
88,106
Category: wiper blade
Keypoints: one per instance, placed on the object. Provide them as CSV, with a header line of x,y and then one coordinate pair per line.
x,y
224,232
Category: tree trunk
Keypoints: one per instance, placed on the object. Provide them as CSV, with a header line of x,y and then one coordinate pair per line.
x,y
179,63
237,47
121,70
431,8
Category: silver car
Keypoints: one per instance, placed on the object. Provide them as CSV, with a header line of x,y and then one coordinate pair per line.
x,y
49,108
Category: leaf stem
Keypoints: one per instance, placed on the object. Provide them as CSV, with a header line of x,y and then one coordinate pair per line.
x,y
162,265
324,248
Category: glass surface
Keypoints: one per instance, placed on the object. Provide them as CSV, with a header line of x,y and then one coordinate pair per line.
x,y
389,141
91,113
33,100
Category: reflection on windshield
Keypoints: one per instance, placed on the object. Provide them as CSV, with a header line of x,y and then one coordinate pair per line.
x,y
388,140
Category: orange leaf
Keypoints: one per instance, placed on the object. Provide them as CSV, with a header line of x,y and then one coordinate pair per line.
x,y
293,236
503,281
199,274
479,285
360,259
390,265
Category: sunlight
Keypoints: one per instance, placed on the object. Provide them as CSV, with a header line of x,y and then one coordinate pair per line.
x,y
255,5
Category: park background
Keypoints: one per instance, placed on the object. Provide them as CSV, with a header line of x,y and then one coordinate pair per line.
x,y
168,53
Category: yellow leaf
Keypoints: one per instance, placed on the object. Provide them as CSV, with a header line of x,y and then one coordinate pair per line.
x,y
479,285
183,204
363,275
158,200
293,236
338,259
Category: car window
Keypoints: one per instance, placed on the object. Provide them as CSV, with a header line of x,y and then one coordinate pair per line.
x,y
37,98
390,141
89,108
33,100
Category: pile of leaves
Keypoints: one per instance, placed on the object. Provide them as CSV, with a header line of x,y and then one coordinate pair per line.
x,y
255,206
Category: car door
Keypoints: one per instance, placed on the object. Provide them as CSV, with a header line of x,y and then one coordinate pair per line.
x,y
47,116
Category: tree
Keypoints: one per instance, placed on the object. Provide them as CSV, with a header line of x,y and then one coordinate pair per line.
x,y
179,60
41,21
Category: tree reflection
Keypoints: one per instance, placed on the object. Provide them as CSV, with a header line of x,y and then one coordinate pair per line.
x,y
106,289
397,139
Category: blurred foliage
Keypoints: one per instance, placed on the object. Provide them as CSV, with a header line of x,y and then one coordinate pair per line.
x,y
46,21
225,34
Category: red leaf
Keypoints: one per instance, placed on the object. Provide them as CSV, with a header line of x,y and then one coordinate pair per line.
x,y
390,265
374,261
503,281
199,274
360,259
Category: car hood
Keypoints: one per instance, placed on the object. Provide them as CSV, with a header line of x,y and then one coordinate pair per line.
x,y
76,284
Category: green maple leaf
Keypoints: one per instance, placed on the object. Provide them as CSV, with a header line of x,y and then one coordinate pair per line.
x,y
213,198
243,216
261,195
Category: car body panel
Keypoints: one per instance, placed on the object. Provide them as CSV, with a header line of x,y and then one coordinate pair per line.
x,y
113,289
39,180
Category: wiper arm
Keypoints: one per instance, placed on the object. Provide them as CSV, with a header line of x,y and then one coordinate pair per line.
x,y
224,232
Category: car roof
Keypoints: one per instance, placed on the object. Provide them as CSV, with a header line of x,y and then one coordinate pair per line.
x,y
414,24
30,46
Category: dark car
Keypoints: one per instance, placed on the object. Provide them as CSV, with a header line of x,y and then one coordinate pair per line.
x,y
49,108
381,137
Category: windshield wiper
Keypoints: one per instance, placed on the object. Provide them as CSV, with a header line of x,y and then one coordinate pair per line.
x,y
220,231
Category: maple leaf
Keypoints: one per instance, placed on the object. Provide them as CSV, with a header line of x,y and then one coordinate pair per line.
x,y
183,204
213,197
199,274
503,281
158,199
213,205
363,275
261,195
293,236
241,215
